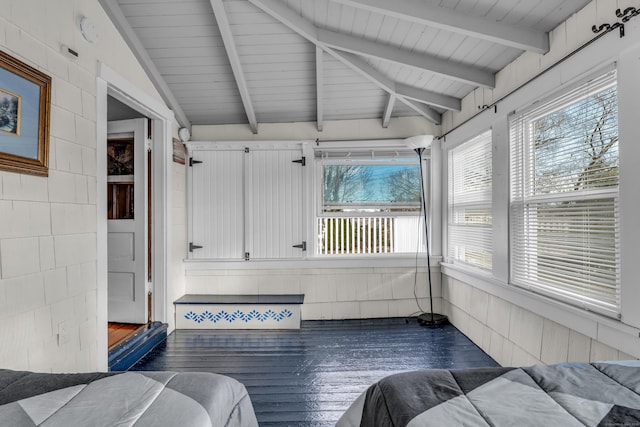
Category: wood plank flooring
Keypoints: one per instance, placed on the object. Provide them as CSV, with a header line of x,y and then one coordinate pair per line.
x,y
119,332
308,377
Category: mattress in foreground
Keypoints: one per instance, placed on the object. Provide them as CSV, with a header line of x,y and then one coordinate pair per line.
x,y
123,399
571,394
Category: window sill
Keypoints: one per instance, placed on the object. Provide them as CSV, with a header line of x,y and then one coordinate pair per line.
x,y
601,328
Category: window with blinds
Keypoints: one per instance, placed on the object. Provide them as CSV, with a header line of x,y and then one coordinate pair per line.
x,y
565,226
469,230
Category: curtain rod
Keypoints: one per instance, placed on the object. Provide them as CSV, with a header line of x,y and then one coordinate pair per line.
x,y
494,105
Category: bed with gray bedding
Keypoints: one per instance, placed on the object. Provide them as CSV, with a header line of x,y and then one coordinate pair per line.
x,y
123,399
569,394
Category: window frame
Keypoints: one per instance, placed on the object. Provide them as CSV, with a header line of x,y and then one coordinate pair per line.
x,y
522,194
474,143
361,151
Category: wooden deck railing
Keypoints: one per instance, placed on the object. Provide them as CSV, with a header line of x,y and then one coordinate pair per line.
x,y
366,235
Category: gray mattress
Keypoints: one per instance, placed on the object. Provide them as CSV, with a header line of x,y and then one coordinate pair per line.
x,y
570,394
123,399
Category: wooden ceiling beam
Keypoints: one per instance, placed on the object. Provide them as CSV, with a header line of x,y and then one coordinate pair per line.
x,y
386,116
304,28
360,66
234,60
420,12
319,89
441,67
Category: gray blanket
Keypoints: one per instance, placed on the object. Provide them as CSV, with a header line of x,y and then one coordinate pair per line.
x,y
571,394
124,399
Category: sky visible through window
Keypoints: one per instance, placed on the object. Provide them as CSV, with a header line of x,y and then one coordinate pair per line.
x,y
357,183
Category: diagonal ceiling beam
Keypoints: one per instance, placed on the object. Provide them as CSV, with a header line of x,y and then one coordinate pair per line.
x,y
421,109
319,89
114,13
307,30
439,17
360,66
234,59
372,49
436,99
386,116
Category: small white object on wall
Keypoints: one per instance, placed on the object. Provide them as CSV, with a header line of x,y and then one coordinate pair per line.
x,y
184,134
89,30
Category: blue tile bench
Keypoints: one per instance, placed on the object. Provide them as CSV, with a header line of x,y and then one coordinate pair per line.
x,y
196,311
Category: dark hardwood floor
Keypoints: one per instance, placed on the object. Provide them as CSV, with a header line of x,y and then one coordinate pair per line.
x,y
308,377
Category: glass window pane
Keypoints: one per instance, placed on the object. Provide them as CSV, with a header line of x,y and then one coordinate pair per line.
x,y
576,147
379,187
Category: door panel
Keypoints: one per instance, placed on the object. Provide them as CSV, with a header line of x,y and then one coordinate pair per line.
x,y
127,226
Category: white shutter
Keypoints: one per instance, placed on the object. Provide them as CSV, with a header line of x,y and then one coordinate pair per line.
x,y
564,197
247,202
469,201
217,210
274,204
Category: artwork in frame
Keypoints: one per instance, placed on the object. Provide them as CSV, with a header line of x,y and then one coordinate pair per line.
x,y
178,151
25,99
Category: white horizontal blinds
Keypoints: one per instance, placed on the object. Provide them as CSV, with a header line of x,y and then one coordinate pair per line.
x,y
274,216
469,229
217,196
564,197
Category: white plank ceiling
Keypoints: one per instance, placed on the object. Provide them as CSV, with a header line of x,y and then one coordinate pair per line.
x,y
261,61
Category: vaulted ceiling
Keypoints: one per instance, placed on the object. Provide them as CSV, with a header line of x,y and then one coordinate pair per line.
x,y
259,61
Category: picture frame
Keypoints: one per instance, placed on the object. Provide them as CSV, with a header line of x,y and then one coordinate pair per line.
x,y
25,103
178,151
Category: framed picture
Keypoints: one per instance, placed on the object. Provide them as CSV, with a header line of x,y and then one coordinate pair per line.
x,y
120,157
178,151
25,98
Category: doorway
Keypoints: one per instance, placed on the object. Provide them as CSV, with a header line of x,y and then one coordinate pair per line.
x,y
128,214
119,99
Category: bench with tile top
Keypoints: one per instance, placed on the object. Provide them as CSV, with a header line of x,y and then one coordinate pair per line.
x,y
197,311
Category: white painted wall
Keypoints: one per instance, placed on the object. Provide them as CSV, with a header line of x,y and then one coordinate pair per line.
x,y
331,292
518,327
177,285
48,280
516,336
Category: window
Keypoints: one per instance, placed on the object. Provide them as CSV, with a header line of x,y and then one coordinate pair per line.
x,y
564,197
469,202
369,203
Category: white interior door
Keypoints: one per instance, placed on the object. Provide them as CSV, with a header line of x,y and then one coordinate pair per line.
x,y
127,223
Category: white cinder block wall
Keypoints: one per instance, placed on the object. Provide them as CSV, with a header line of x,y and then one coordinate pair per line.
x,y
330,293
48,290
515,334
